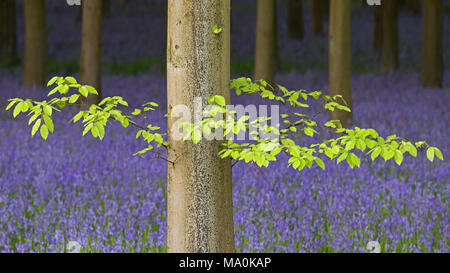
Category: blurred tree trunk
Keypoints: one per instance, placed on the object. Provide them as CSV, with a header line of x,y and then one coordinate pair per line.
x,y
389,59
339,57
432,44
8,34
412,6
318,12
266,53
106,8
295,19
199,200
90,64
36,55
378,28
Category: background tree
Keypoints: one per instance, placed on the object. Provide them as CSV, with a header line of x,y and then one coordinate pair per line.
x,y
90,64
266,54
389,59
36,55
412,6
8,34
432,44
200,207
295,19
378,28
339,57
318,13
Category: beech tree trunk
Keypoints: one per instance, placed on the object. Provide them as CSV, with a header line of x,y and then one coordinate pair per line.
x,y
266,54
199,195
295,19
339,57
36,55
389,59
8,35
378,28
90,64
432,44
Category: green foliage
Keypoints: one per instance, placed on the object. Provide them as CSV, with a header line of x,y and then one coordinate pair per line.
x,y
261,150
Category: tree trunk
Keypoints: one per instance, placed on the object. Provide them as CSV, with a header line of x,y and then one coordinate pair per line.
x,y
295,19
432,44
106,8
317,7
340,62
90,64
412,6
8,35
199,200
389,59
266,55
378,28
36,55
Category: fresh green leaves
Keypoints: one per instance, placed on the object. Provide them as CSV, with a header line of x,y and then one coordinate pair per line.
x,y
217,30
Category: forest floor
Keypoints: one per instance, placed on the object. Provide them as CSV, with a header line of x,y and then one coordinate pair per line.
x,y
71,188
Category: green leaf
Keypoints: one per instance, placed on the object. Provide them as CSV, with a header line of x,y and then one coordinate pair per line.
x,y
438,153
91,90
47,110
220,100
196,136
136,112
342,157
398,157
77,117
320,163
412,150
36,127
308,131
430,154
355,159
10,105
44,132
83,91
17,109
87,128
101,131
49,123
52,81
217,30
376,152
94,131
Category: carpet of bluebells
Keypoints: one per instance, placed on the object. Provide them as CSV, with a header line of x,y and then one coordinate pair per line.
x,y
74,188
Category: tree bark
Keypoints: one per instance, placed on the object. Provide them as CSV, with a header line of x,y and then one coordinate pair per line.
x,y
90,64
266,54
199,200
295,19
432,44
378,28
36,55
389,59
8,34
339,57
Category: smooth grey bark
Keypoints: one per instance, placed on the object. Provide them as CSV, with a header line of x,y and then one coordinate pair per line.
x,y
199,196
